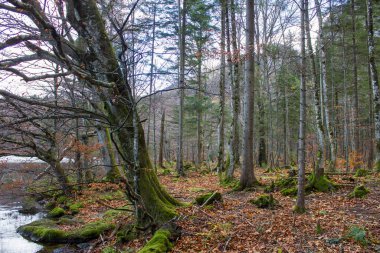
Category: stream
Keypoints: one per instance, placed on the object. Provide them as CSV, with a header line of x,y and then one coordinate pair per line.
x,y
10,241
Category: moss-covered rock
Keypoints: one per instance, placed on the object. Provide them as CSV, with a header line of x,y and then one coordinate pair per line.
x,y
265,201
74,208
209,198
47,231
361,173
61,199
289,191
359,192
321,184
56,212
159,243
29,206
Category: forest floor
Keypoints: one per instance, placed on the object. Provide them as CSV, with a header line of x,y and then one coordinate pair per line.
x,y
236,225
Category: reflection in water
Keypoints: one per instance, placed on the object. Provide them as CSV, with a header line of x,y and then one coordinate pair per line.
x,y
10,241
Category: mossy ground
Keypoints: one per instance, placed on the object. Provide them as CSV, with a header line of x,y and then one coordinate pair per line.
x,y
48,231
209,198
159,243
359,191
56,212
265,201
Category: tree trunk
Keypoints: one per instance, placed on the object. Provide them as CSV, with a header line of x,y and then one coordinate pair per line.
x,y
322,51
247,177
318,110
375,81
153,200
181,87
300,203
235,141
161,147
355,73
222,83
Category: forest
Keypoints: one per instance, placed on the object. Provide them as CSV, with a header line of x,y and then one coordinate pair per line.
x,y
189,126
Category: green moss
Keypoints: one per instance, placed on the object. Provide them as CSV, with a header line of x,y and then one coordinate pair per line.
x,y
208,198
289,191
265,201
109,249
359,192
127,233
47,231
322,184
56,212
319,229
361,173
286,183
270,188
74,208
159,243
229,183
61,199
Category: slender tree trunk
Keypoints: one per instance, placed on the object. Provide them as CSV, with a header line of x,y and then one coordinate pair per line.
x,y
345,109
247,177
235,142
300,203
375,81
161,145
151,73
322,51
222,83
318,110
355,80
182,45
199,160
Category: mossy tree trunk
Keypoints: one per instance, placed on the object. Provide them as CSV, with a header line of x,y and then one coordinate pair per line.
x,y
152,200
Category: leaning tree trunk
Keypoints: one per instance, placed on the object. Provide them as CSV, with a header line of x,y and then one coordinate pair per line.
x,y
300,203
375,81
247,177
153,200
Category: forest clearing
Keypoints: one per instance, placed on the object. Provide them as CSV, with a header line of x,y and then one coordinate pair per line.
x,y
189,126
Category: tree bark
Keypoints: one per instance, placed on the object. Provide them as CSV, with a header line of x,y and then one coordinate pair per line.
x,y
222,84
181,86
300,203
247,177
375,81
161,147
318,110
322,51
235,140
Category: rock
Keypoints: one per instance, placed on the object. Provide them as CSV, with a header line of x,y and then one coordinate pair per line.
x,y
30,206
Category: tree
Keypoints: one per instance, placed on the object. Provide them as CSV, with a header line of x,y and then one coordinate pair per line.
x,y
300,203
374,79
323,70
235,84
247,178
181,84
222,83
97,65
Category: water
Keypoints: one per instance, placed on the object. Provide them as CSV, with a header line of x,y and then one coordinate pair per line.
x,y
10,241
